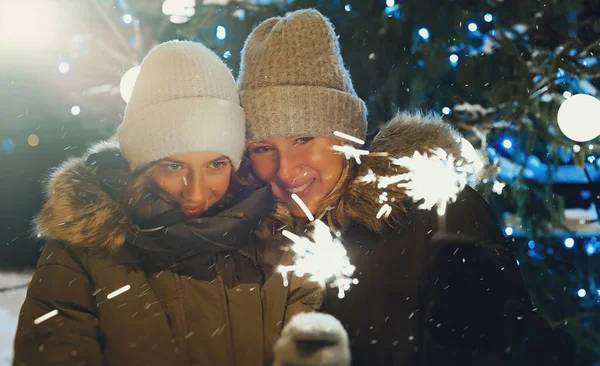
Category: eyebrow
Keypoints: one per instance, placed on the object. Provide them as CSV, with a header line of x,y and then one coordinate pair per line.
x,y
171,160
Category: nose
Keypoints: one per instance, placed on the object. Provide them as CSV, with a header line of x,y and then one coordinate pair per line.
x,y
289,168
195,189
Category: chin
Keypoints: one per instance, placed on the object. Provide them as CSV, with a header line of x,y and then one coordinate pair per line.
x,y
297,211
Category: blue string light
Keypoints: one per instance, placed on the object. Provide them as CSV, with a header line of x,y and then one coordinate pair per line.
x,y
221,32
226,55
531,244
424,33
508,230
581,293
390,2
348,7
590,249
453,59
127,18
488,18
507,144
446,110
8,146
472,27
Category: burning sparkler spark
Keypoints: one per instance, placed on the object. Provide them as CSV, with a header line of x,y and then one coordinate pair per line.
x,y
370,177
45,317
323,258
348,137
303,206
118,292
384,211
498,187
351,152
434,180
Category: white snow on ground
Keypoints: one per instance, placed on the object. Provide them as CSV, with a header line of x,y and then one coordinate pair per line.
x,y
10,305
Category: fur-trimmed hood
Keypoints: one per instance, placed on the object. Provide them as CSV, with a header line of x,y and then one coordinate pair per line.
x,y
78,210
404,135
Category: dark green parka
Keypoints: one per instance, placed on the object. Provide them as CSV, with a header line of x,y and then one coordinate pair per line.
x,y
205,306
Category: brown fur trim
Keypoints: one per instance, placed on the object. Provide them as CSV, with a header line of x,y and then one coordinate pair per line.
x,y
78,211
402,136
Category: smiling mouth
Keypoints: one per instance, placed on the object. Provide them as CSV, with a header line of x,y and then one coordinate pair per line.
x,y
300,188
191,211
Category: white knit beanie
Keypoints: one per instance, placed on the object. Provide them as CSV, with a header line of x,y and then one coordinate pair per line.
x,y
184,100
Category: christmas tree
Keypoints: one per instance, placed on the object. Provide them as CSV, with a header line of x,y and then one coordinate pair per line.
x,y
498,70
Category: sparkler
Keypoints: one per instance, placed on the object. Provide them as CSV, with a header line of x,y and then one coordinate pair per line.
x,y
347,150
118,292
302,206
348,137
45,317
433,179
351,152
323,258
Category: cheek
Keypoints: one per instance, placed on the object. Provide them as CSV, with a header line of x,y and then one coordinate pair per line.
x,y
264,168
170,185
330,165
220,183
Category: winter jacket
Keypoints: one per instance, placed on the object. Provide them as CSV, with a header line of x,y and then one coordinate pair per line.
x,y
428,295
126,297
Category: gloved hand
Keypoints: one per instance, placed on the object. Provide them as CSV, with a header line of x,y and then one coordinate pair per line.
x,y
312,339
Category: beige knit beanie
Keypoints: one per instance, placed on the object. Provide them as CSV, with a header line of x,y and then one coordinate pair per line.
x,y
293,82
184,100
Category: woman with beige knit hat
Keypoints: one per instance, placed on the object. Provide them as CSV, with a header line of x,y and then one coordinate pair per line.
x,y
150,257
422,299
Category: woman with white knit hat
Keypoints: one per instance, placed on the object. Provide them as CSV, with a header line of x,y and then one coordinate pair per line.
x,y
150,257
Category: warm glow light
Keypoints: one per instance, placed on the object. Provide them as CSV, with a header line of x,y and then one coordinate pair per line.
x,y
33,140
578,117
64,67
127,83
27,24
